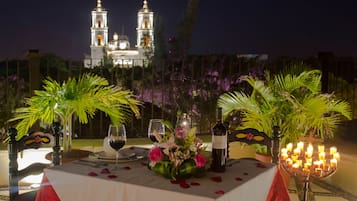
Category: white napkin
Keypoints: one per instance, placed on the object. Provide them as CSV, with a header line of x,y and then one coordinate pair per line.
x,y
108,150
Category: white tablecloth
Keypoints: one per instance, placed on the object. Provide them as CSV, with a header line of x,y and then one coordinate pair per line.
x,y
246,180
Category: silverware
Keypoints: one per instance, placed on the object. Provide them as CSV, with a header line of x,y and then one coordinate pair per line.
x,y
135,157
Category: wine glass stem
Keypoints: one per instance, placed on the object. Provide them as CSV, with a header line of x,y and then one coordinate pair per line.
x,y
116,159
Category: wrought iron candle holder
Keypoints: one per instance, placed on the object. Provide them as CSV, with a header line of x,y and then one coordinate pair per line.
x,y
306,161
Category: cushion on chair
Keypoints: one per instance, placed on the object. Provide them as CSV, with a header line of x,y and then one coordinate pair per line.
x,y
239,150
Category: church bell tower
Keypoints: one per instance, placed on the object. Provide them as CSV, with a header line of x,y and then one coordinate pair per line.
x,y
145,29
99,34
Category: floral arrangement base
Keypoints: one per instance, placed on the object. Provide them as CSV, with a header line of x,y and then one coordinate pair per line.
x,y
186,170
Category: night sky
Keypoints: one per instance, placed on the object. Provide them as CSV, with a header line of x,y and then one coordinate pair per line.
x,y
275,27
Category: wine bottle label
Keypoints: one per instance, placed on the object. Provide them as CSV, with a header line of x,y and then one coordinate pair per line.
x,y
219,141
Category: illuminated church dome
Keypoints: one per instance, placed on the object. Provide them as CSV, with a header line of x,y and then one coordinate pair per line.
x,y
119,42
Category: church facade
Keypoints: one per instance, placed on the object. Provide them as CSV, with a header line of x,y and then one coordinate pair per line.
x,y
118,49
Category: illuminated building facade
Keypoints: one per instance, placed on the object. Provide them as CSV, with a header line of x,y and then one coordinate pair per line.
x,y
118,50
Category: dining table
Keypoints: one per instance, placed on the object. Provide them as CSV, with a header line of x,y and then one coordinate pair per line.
x,y
96,179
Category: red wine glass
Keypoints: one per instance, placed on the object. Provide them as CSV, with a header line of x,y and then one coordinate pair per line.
x,y
116,139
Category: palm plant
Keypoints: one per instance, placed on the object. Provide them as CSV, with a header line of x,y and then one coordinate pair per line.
x,y
81,97
292,102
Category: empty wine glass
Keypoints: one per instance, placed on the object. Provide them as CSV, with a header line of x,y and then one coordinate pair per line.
x,y
116,139
185,121
156,130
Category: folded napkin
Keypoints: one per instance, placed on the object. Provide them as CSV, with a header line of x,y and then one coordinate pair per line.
x,y
108,150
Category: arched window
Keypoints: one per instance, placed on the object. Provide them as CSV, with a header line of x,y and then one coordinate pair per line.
x,y
147,41
99,23
99,40
146,24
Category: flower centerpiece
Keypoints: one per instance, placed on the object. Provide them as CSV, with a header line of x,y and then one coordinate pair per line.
x,y
178,155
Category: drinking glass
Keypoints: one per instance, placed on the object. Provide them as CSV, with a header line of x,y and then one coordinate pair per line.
x,y
156,128
184,121
116,139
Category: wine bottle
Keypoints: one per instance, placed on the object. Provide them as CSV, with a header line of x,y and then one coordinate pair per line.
x,y
219,144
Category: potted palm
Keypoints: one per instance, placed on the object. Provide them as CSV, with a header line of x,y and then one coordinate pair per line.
x,y
292,102
81,97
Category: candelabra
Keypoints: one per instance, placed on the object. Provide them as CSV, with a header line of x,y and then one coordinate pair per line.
x,y
308,161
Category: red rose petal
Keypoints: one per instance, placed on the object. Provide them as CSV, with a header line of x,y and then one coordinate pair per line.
x,y
184,185
259,165
144,164
195,184
220,192
112,176
93,174
238,179
217,179
105,171
177,181
245,173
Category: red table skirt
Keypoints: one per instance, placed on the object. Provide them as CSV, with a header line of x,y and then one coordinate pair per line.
x,y
278,191
46,191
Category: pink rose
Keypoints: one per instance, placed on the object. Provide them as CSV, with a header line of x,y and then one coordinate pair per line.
x,y
155,154
200,160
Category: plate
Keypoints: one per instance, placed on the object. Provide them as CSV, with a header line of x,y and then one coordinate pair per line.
x,y
105,156
127,154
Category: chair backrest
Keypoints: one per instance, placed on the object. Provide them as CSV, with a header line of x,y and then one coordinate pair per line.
x,y
32,141
253,136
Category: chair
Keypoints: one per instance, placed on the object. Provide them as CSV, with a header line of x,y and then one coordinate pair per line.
x,y
253,136
32,141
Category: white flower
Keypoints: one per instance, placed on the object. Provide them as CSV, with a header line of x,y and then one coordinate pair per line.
x,y
193,148
168,145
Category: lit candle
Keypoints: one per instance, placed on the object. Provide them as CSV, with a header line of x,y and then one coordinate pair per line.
x,y
307,167
289,147
308,154
317,164
324,166
310,149
300,145
289,161
294,157
284,156
284,151
300,163
297,151
333,163
309,160
333,150
295,166
336,156
321,148
322,156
